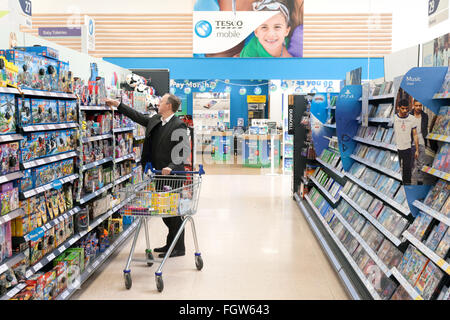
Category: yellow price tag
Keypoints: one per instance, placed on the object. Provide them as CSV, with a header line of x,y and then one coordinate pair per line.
x,y
418,298
447,176
448,270
440,263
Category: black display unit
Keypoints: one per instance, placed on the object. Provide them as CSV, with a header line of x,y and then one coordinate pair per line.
x,y
159,79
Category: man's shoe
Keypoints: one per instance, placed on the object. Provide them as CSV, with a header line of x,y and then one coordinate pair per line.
x,y
175,253
162,249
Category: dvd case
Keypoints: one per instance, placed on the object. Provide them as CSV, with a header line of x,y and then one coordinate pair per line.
x,y
436,236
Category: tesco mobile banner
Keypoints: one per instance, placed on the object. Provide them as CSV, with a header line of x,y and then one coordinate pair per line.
x,y
219,31
248,28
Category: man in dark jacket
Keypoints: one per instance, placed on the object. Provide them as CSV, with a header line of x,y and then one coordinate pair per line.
x,y
421,120
166,146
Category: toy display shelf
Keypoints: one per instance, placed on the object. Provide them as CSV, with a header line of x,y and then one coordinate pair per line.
x,y
328,251
440,174
137,159
63,247
11,215
384,170
96,138
10,137
344,251
49,159
38,93
123,178
11,176
445,95
405,284
396,241
95,108
139,137
92,195
374,143
438,137
47,127
427,252
5,265
9,90
126,157
125,129
431,212
363,243
324,191
403,210
380,97
332,126
95,163
56,221
331,168
89,270
45,187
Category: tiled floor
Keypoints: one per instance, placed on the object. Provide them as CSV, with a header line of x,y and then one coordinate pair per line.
x,y
254,241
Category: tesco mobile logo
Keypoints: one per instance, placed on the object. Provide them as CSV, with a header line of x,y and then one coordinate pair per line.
x,y
203,29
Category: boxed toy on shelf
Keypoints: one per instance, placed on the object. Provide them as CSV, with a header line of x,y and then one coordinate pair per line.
x,y
7,113
8,73
96,124
124,144
442,123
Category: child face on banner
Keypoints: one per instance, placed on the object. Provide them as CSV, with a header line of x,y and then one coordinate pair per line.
x,y
271,34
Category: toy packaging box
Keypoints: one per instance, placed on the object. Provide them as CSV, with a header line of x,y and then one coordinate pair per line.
x,y
71,111
64,77
51,79
51,114
73,265
50,286
9,157
38,72
7,113
8,72
24,111
36,283
61,277
24,62
80,253
62,111
38,110
41,50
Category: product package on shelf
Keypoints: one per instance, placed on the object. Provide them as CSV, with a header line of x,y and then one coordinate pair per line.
x,y
97,150
7,113
124,144
442,123
97,124
442,159
8,73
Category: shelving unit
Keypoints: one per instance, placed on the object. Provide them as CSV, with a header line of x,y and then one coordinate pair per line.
x,y
331,168
325,192
405,284
48,186
49,159
361,241
386,171
89,270
372,220
11,176
437,173
383,145
11,215
403,210
431,212
47,127
344,251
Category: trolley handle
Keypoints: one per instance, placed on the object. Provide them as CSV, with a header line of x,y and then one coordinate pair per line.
x,y
149,166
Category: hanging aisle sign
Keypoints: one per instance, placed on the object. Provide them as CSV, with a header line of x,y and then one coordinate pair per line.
x,y
88,34
437,11
21,11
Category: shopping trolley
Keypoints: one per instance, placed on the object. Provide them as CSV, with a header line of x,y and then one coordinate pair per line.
x,y
162,196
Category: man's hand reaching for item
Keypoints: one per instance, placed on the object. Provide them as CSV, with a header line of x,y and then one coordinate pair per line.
x,y
112,103
416,154
166,171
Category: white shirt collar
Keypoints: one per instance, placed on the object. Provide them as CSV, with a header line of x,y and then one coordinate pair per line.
x,y
167,119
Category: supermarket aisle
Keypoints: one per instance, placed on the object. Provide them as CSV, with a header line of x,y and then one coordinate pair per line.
x,y
254,241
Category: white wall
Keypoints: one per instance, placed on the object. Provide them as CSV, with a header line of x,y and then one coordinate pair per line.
x,y
112,6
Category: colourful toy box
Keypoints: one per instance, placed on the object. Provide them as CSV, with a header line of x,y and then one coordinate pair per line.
x,y
9,157
71,111
51,111
8,73
7,113
62,111
73,266
41,50
24,111
24,62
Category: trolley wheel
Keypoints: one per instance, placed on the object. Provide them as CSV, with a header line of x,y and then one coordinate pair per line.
x,y
128,282
149,256
159,283
199,262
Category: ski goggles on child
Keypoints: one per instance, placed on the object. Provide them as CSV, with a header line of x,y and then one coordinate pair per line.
x,y
272,6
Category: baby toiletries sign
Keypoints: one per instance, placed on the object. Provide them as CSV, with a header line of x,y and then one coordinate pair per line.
x,y
248,28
